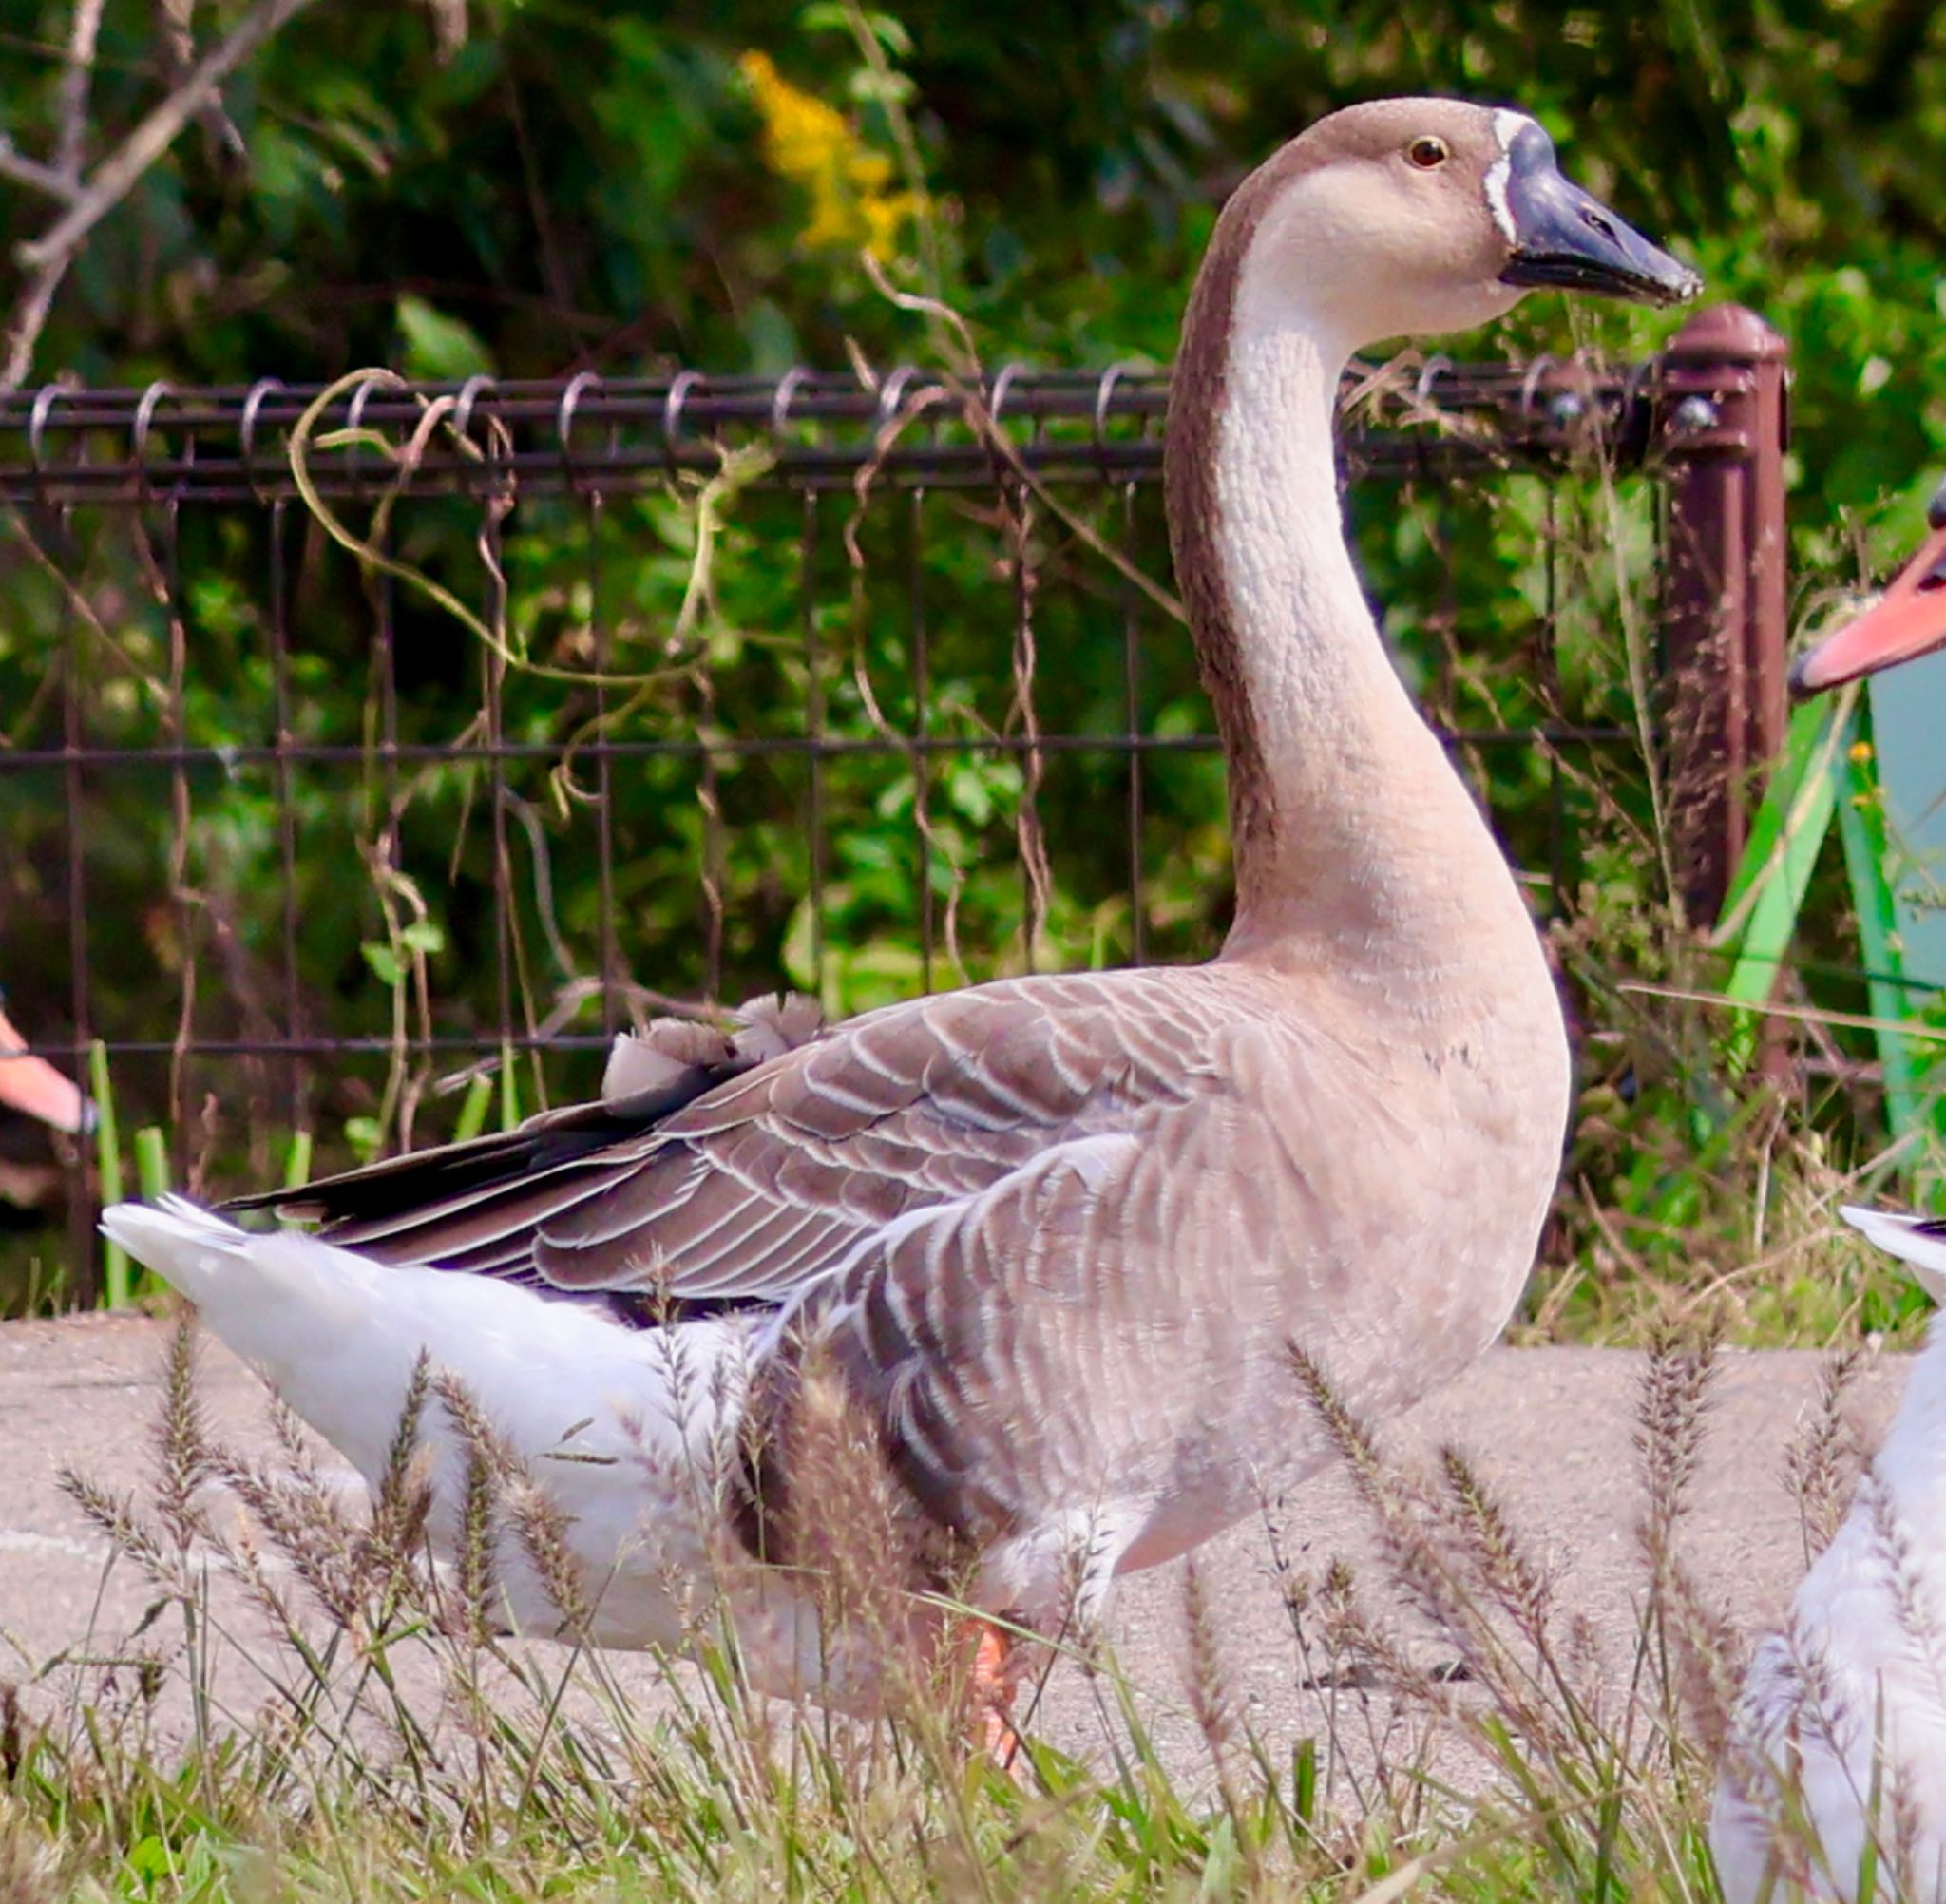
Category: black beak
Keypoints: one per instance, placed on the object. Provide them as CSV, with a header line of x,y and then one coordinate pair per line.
x,y
1564,238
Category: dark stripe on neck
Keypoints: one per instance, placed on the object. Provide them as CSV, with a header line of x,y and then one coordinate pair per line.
x,y
1199,392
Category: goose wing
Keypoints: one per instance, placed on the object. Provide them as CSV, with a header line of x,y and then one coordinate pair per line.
x,y
738,1178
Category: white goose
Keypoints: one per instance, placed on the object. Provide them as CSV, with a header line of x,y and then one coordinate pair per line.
x,y
1907,621
1048,1237
1837,1761
1836,1765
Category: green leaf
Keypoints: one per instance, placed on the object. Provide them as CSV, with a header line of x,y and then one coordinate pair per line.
x,y
1867,854
152,1163
1767,893
148,1858
1780,832
424,935
383,961
439,346
798,954
116,1286
472,1117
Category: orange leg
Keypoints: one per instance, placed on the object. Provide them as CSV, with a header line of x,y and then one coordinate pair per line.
x,y
993,1686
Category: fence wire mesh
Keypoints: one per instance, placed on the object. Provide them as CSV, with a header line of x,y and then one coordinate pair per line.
x,y
359,742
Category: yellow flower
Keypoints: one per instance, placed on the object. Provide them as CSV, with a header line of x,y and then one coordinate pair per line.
x,y
1860,753
816,147
870,171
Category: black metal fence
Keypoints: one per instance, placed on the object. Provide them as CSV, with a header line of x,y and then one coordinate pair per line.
x,y
357,741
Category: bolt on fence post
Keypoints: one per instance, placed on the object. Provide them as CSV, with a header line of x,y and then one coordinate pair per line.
x,y
1721,426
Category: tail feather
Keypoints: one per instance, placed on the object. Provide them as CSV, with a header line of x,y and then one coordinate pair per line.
x,y
1918,1241
627,1430
476,1206
186,1245
339,1335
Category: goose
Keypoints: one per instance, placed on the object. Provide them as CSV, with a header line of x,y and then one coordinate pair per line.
x,y
1906,621
1834,1785
1836,1759
32,1087
1032,1254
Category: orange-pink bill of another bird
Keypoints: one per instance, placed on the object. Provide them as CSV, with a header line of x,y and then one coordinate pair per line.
x,y
33,1086
1908,621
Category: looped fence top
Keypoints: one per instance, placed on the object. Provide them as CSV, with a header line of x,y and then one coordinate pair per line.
x,y
1530,384
246,432
591,433
671,412
891,397
1104,397
780,402
576,387
44,400
355,423
146,408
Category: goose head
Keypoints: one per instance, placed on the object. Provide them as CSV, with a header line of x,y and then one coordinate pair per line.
x,y
1421,215
1908,621
1401,216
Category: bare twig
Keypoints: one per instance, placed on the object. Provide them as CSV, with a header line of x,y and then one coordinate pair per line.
x,y
176,38
31,173
29,320
71,139
116,174
48,258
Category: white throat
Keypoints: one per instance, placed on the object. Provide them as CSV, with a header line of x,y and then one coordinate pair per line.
x,y
1286,570
1376,843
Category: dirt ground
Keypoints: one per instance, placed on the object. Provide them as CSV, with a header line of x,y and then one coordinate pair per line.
x,y
1548,1429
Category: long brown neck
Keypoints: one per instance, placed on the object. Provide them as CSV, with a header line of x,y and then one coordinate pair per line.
x,y
1350,825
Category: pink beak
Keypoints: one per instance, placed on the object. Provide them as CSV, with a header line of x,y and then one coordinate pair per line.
x,y
32,1085
1908,621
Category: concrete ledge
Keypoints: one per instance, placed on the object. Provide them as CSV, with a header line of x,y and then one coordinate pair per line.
x,y
1550,1431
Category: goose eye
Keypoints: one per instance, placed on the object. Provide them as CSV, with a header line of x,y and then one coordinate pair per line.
x,y
1427,152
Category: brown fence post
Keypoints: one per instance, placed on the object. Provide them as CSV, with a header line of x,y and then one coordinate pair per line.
x,y
1722,424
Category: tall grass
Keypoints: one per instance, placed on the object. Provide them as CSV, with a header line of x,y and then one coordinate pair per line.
x,y
1477,1739
1729,1105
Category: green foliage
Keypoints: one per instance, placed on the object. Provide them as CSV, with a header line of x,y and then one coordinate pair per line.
x,y
625,189
438,348
1908,1023
578,184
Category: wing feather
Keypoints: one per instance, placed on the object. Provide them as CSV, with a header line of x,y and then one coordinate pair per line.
x,y
748,1178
